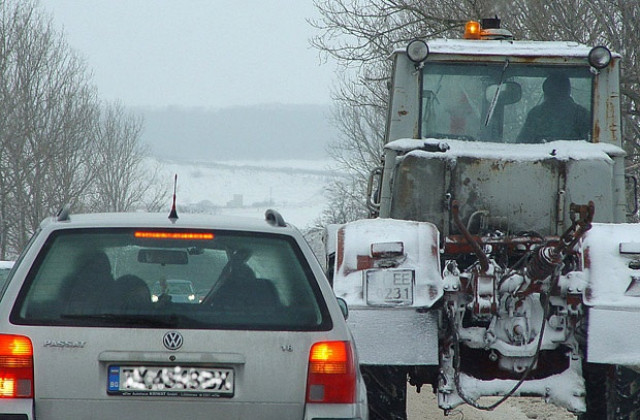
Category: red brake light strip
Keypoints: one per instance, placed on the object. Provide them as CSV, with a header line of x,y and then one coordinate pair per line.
x,y
174,235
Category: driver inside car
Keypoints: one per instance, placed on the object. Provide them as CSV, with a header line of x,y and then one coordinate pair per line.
x,y
558,117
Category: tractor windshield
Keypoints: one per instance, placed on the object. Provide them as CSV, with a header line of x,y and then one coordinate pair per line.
x,y
506,102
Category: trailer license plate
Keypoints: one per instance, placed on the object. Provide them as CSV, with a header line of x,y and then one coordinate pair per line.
x,y
171,381
390,287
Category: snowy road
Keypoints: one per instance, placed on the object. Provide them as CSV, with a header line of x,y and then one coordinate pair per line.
x,y
424,406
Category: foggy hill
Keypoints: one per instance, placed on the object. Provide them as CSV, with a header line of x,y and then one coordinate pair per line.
x,y
250,132
248,188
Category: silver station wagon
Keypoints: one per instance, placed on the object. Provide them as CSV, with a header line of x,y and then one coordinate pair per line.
x,y
84,336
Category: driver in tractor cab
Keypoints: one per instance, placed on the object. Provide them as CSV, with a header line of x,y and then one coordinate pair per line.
x,y
558,117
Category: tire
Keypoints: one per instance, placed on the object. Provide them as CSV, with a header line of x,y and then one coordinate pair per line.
x,y
386,391
613,393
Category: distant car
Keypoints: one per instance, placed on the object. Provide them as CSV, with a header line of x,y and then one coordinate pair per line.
x,y
5,269
82,337
180,291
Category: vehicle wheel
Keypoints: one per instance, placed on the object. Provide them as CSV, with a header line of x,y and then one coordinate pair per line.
x,y
613,393
386,391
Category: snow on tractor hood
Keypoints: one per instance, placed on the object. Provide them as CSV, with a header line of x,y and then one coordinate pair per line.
x,y
559,149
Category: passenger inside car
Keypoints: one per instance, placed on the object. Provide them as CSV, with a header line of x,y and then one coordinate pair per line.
x,y
89,289
134,294
238,288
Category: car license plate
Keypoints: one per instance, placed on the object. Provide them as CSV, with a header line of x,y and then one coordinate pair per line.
x,y
389,287
171,381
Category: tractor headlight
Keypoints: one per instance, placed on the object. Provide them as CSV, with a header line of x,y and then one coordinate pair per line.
x,y
599,57
417,51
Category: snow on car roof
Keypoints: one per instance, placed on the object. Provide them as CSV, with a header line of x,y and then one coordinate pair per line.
x,y
161,220
559,150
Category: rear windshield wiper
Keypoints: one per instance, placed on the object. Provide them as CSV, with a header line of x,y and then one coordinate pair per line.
x,y
128,319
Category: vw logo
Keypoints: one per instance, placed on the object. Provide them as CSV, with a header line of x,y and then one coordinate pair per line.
x,y
172,340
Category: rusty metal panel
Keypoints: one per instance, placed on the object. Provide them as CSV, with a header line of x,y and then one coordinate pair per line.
x,y
419,191
502,193
402,116
591,180
518,196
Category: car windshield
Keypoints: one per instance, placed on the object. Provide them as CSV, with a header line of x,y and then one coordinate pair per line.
x,y
179,279
506,102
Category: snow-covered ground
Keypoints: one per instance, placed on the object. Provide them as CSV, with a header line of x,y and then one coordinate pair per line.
x,y
247,188
425,406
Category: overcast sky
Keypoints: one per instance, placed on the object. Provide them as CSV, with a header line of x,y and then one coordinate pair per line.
x,y
210,53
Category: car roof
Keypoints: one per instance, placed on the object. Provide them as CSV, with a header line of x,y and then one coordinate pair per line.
x,y
161,220
6,265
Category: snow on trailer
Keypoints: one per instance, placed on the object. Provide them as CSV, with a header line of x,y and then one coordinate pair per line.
x,y
390,264
379,244
612,269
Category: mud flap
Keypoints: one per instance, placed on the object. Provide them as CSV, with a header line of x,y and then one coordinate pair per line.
x,y
386,391
613,393
395,336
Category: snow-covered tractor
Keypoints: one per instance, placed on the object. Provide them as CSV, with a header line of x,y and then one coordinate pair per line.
x,y
498,261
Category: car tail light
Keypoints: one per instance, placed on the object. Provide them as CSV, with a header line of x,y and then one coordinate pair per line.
x,y
332,373
16,366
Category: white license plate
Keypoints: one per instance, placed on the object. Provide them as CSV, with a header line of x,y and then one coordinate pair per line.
x,y
171,381
390,287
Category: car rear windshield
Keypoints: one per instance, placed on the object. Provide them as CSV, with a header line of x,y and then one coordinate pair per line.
x,y
180,279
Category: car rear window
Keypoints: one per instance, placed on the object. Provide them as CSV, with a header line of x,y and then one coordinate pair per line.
x,y
171,279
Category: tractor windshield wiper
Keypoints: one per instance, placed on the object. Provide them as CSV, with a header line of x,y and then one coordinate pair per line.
x,y
496,95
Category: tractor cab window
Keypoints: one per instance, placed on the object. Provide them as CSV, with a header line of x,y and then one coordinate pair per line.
x,y
506,102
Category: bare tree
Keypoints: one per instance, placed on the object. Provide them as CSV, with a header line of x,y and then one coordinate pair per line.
x,y
123,182
360,34
46,105
57,145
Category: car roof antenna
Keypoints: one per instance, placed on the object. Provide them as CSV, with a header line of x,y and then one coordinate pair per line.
x,y
63,214
173,214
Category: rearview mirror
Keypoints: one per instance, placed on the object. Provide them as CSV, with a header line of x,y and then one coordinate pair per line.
x,y
343,307
510,93
162,256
